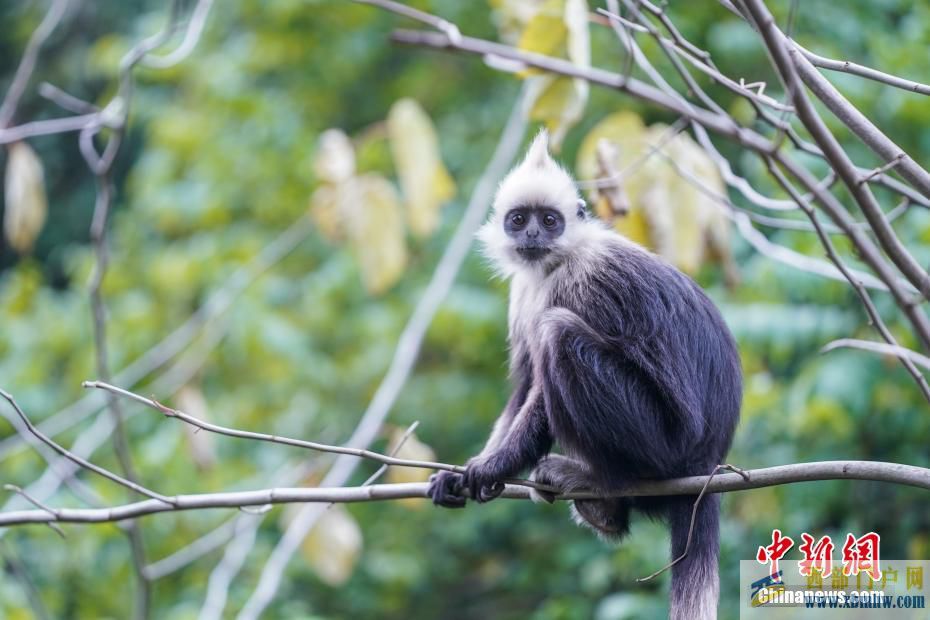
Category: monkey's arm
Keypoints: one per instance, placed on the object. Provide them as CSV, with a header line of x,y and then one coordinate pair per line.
x,y
507,416
526,441
520,438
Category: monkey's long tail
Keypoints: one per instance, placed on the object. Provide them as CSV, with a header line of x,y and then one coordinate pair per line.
x,y
695,584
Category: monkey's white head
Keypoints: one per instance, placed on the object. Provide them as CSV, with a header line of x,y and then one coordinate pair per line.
x,y
538,218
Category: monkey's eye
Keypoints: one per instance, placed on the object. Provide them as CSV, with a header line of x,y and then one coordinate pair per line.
x,y
518,219
549,221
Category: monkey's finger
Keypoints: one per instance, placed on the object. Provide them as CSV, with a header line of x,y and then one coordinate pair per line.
x,y
487,493
474,487
444,490
451,501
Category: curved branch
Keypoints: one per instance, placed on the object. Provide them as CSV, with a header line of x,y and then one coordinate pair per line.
x,y
894,473
845,66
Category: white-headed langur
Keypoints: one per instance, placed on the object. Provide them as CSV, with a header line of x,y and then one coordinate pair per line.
x,y
617,358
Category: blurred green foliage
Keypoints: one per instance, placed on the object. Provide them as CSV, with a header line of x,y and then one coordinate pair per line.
x,y
219,162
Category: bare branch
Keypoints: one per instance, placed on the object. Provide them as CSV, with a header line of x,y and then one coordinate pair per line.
x,y
80,461
447,28
846,66
778,46
46,127
850,116
286,441
876,471
101,166
882,348
28,62
19,491
875,318
67,100
191,38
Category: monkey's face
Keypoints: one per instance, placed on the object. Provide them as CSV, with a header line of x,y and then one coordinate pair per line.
x,y
538,219
534,231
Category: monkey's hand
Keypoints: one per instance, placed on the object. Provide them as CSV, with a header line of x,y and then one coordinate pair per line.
x,y
445,489
483,477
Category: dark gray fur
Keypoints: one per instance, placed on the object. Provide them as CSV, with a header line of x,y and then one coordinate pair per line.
x,y
635,376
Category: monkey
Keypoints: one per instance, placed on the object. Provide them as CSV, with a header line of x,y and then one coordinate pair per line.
x,y
616,357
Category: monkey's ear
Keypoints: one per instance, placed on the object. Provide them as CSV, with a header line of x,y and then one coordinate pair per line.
x,y
582,212
538,154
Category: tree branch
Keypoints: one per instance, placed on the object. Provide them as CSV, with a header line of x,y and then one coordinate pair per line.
x,y
876,471
846,66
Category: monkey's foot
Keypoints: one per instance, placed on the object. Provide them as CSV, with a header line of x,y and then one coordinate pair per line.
x,y
560,473
539,496
446,489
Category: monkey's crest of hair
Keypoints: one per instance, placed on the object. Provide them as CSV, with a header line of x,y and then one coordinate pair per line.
x,y
537,181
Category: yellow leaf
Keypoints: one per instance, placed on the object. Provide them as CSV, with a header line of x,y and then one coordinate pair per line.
x,y
579,38
546,32
325,208
560,29
333,546
624,130
669,213
413,450
377,235
634,227
700,220
710,213
335,157
24,194
423,177
512,16
559,102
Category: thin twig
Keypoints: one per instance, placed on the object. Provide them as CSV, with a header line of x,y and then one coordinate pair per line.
x,y
694,509
27,65
846,66
37,504
80,461
447,28
286,441
894,350
191,38
67,100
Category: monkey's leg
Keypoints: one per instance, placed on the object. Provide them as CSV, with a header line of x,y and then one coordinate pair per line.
x,y
605,403
608,518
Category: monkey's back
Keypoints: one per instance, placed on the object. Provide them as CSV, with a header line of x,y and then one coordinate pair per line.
x,y
663,357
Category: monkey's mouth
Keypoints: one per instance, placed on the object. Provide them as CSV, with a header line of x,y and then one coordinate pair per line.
x,y
532,253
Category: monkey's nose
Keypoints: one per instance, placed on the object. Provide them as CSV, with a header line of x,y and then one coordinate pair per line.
x,y
532,232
